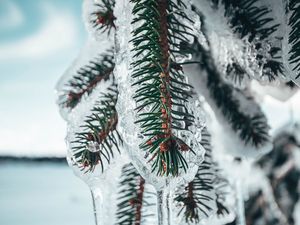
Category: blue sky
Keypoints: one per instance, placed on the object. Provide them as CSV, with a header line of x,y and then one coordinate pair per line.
x,y
38,41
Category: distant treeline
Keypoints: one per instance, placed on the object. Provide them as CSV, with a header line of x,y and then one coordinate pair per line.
x,y
10,159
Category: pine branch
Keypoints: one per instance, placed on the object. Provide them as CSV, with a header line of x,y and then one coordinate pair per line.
x,y
252,22
279,166
248,18
103,18
197,196
161,89
87,79
131,198
99,136
252,129
221,185
294,36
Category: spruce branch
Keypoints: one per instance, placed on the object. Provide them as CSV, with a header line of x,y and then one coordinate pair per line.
x,y
99,136
132,198
252,129
86,79
221,186
294,35
249,18
103,18
198,194
250,21
160,83
280,168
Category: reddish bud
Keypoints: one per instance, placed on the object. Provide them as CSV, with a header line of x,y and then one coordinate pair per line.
x,y
90,137
85,164
164,165
164,126
184,147
163,147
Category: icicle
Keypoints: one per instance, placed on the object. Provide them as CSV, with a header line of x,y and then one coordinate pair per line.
x,y
97,205
240,204
103,187
101,172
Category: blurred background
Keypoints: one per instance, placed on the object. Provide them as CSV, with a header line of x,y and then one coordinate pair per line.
x,y
39,39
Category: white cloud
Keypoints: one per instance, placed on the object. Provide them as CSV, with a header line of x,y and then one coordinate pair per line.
x,y
12,17
58,33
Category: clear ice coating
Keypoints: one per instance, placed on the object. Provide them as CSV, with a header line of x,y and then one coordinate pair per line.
x,y
90,13
103,184
227,48
90,51
131,132
227,140
281,15
103,187
75,126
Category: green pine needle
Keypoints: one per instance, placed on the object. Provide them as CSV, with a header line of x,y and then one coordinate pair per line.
x,y
132,198
160,82
252,129
294,36
252,20
86,79
197,194
103,18
99,133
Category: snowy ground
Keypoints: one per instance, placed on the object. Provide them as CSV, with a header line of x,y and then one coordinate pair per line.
x,y
43,194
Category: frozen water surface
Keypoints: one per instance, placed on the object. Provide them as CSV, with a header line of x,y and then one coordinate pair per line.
x,y
43,194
